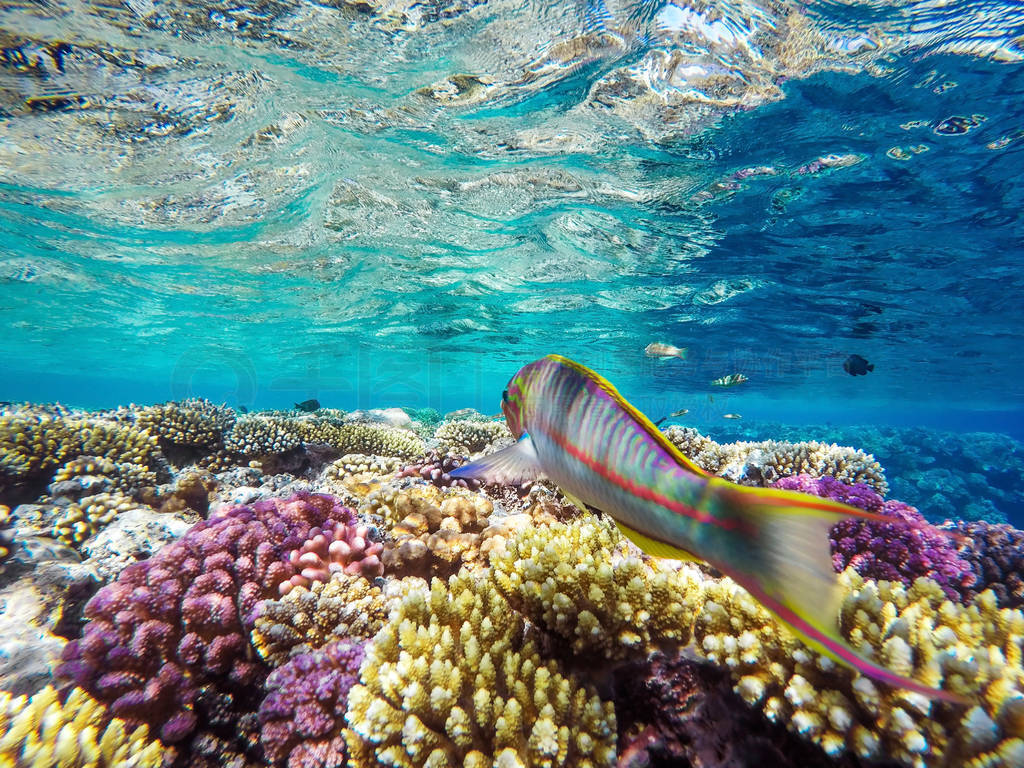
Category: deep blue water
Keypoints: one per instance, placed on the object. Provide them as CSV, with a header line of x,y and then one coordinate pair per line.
x,y
377,208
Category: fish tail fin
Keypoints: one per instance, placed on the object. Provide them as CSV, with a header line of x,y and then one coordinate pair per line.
x,y
871,366
782,557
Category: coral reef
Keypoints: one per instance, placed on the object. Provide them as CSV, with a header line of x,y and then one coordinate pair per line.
x,y
580,582
305,619
174,623
763,463
71,730
6,535
378,440
433,533
996,555
194,422
31,443
259,435
87,475
78,521
303,714
973,651
672,710
334,548
453,680
470,436
435,468
900,551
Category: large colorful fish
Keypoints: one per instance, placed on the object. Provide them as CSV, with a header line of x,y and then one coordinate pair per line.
x,y
575,428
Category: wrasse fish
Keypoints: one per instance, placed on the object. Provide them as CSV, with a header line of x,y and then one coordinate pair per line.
x,y
575,428
657,349
729,381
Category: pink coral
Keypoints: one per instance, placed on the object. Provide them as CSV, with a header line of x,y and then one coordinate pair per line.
x,y
346,548
169,640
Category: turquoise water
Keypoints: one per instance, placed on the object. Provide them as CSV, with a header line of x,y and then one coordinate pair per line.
x,y
401,203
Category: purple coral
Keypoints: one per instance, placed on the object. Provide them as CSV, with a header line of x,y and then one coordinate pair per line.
x,y
177,625
304,711
996,555
336,547
901,550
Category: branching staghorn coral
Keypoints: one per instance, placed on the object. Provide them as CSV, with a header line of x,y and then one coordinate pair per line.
x,y
766,462
117,476
193,422
32,443
258,435
80,520
974,651
581,583
71,730
469,436
454,680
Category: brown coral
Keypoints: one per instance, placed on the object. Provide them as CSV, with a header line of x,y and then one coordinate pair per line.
x,y
306,619
435,533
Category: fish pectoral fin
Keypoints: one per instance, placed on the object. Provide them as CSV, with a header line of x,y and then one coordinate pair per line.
x,y
655,547
510,466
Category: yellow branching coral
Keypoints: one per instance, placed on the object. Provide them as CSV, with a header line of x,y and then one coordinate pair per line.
x,y
80,520
378,440
972,650
43,731
31,443
308,618
195,422
258,435
123,476
468,436
580,582
452,680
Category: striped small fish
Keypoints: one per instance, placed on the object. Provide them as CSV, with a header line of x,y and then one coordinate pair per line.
x,y
729,381
575,428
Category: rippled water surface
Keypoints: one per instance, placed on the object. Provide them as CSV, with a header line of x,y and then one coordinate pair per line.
x,y
399,202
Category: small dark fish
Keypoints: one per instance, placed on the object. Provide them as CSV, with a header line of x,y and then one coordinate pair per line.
x,y
855,365
242,409
308,405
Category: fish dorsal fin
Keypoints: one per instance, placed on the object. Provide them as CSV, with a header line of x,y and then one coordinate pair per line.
x,y
644,422
655,547
510,466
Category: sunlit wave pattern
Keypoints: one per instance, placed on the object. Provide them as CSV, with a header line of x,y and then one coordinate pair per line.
x,y
491,181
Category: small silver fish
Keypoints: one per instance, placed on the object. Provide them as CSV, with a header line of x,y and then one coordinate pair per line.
x,y
658,349
731,416
729,381
680,412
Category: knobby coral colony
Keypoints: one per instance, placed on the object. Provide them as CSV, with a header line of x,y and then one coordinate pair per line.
x,y
436,623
